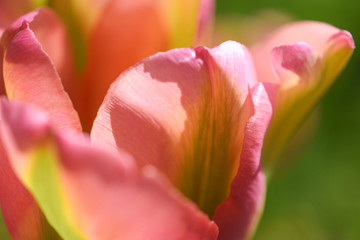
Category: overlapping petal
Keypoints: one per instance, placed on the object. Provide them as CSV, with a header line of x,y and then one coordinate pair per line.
x,y
29,73
89,193
196,115
238,216
134,29
126,28
21,213
315,34
184,112
303,59
159,99
142,29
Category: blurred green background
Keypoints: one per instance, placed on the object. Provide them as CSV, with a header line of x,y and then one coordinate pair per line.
x,y
318,197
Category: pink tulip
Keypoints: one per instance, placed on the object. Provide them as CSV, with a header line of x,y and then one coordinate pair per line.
x,y
178,101
174,151
302,60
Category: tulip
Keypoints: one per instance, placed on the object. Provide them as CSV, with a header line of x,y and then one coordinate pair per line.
x,y
199,92
150,170
302,60
174,152
89,35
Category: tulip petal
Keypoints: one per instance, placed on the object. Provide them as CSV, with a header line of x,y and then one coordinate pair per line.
x,y
90,193
2,86
51,33
82,14
22,216
80,18
299,58
147,101
181,112
134,29
303,70
190,22
30,75
237,65
182,16
238,215
315,34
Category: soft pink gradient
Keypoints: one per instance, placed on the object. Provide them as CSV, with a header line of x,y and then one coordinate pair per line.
x,y
108,197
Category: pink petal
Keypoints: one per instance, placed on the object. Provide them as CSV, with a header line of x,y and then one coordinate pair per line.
x,y
144,110
238,215
106,196
22,215
299,58
52,34
30,75
237,64
315,34
128,205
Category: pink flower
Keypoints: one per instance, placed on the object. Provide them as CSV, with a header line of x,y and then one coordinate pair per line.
x,y
302,60
178,105
174,152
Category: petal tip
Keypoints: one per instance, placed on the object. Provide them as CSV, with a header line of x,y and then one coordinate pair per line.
x,y
19,24
344,39
298,58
